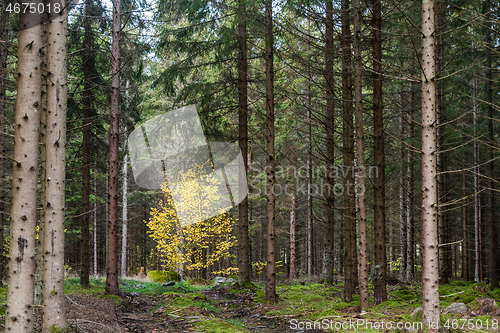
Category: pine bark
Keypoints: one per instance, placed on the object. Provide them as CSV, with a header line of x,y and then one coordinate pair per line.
x,y
4,35
328,255
20,293
243,240
348,157
124,219
477,262
293,225
95,225
309,160
360,138
86,137
53,298
113,163
409,195
271,260
402,198
444,251
380,292
491,164
430,269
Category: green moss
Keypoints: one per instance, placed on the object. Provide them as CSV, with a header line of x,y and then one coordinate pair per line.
x,y
56,329
215,325
163,276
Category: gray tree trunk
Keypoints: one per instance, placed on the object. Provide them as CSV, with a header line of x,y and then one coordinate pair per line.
x,y
20,293
54,311
430,270
360,138
243,240
124,219
271,261
328,254
380,291
113,163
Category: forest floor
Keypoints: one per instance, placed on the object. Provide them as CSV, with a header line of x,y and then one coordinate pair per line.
x,y
303,307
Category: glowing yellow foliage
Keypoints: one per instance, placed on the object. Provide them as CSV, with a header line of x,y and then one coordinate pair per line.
x,y
191,245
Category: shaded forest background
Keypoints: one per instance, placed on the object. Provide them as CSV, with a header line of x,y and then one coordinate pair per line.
x,y
178,53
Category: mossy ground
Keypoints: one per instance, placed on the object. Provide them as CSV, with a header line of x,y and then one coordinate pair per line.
x,y
194,306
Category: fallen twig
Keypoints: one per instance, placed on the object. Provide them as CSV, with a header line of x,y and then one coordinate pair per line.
x,y
460,292
73,301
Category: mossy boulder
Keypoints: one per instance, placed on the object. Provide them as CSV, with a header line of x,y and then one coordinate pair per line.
x,y
163,276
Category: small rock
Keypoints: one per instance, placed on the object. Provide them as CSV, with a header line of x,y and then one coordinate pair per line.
x,y
456,308
138,286
219,279
127,284
230,280
487,305
168,284
135,293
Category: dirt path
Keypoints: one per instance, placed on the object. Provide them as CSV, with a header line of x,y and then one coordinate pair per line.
x,y
144,313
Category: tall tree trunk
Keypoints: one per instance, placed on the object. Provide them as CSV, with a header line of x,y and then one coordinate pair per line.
x,y
309,159
243,240
88,69
410,253
43,160
465,249
54,312
113,163
380,292
430,271
4,35
271,261
444,251
477,266
402,197
124,219
360,138
95,224
293,254
20,293
327,272
348,157
491,165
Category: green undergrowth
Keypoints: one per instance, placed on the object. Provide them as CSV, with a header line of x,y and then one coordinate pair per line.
x,y
299,300
72,286
217,325
3,300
